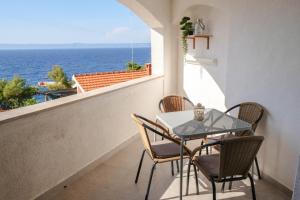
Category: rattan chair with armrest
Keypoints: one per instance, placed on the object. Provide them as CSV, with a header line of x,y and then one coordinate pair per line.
x,y
166,150
231,164
250,112
174,103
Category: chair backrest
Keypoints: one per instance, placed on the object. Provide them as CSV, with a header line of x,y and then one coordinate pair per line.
x,y
147,126
237,155
250,112
173,103
143,133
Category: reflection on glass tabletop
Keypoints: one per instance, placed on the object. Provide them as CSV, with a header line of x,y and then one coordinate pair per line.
x,y
183,124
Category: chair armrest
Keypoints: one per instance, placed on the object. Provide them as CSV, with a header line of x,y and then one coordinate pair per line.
x,y
164,130
204,146
160,105
230,109
186,99
220,137
167,137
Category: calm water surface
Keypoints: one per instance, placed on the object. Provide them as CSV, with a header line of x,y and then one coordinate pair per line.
x,y
34,65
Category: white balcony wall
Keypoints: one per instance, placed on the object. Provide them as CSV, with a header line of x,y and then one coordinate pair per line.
x,y
44,144
257,47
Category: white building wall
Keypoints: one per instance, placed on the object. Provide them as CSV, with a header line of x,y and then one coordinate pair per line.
x,y
257,53
203,81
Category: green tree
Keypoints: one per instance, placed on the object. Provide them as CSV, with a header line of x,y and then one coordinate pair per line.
x,y
15,93
133,66
60,78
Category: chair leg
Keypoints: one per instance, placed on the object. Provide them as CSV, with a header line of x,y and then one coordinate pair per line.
x,y
140,166
223,187
150,180
206,148
257,168
230,184
177,165
212,180
196,179
252,186
172,168
202,142
188,178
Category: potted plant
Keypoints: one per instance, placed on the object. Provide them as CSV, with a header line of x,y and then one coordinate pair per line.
x,y
186,26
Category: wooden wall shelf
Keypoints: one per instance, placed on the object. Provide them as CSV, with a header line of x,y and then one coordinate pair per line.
x,y
194,37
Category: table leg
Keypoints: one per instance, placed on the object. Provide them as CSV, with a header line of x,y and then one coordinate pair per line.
x,y
181,167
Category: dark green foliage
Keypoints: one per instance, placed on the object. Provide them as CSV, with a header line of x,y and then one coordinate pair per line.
x,y
133,66
187,29
60,78
15,93
184,20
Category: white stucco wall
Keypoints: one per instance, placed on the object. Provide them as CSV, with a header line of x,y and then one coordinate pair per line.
x,y
203,82
258,52
264,66
54,140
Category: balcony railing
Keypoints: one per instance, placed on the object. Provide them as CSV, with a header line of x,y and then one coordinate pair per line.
x,y
45,144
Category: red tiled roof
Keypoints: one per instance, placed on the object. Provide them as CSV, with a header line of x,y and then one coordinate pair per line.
x,y
102,79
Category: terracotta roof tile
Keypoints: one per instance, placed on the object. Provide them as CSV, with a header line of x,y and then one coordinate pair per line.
x,y
102,79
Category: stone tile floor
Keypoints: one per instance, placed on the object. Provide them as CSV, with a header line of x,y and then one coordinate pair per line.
x,y
114,180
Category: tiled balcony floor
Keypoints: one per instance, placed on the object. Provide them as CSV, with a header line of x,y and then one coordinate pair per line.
x,y
114,180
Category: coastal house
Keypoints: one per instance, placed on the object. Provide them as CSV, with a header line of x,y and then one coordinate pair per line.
x,y
86,146
91,81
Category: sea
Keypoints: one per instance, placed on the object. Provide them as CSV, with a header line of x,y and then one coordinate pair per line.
x,y
34,64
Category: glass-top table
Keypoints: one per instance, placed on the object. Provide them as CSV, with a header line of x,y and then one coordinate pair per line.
x,y
184,126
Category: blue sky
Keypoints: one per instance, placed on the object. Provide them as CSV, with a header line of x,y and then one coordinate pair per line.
x,y
69,21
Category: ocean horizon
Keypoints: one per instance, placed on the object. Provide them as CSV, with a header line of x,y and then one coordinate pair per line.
x,y
34,64
72,46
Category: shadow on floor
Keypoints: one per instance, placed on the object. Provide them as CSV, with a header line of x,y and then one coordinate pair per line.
x,y
114,180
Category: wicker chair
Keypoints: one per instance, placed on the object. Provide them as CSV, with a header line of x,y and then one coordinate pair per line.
x,y
174,103
167,150
250,112
231,164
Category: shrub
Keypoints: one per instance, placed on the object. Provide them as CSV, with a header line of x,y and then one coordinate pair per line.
x,y
15,93
134,66
60,78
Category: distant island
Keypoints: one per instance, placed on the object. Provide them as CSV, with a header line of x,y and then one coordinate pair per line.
x,y
72,46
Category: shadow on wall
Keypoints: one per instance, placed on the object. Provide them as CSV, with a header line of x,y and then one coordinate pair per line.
x,y
202,82
273,139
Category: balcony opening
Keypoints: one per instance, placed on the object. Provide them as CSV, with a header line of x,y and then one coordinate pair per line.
x,y
86,46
